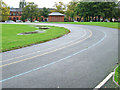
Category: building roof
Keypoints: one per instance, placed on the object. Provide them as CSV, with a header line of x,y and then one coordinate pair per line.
x,y
20,9
56,14
16,9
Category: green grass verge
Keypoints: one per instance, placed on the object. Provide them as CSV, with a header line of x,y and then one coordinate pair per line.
x,y
117,75
10,39
103,24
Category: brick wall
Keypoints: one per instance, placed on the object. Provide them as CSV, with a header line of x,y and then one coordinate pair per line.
x,y
14,18
55,18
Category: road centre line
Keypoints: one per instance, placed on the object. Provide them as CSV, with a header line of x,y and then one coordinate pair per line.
x,y
42,50
49,51
105,35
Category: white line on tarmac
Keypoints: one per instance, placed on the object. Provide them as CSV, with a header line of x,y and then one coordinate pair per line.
x,y
42,50
48,52
104,81
60,60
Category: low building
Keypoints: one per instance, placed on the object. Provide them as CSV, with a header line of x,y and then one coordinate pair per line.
x,y
16,14
56,17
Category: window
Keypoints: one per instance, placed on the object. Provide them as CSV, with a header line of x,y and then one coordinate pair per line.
x,y
17,14
9,18
17,18
10,14
14,18
13,14
20,13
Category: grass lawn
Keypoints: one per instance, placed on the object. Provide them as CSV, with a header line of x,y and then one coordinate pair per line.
x,y
103,24
117,75
10,39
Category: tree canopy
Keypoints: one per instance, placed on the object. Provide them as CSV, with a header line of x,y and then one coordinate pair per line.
x,y
30,11
93,9
4,11
89,9
45,12
22,4
71,9
60,7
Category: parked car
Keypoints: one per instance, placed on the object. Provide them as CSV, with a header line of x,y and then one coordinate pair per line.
x,y
36,21
9,21
18,21
27,21
106,20
75,21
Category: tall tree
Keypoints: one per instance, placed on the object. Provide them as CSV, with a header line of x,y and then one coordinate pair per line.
x,y
93,9
22,4
99,0
71,9
117,11
60,7
30,11
4,11
45,12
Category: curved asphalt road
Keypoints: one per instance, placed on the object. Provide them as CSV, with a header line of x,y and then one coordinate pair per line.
x,y
80,59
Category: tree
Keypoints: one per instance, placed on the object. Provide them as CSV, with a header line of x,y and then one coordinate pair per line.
x,y
22,4
45,12
93,9
71,9
30,11
39,15
4,11
117,11
98,0
60,7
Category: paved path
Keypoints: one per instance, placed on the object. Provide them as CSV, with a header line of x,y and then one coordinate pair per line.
x,y
81,59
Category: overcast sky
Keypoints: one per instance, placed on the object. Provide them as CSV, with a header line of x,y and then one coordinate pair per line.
x,y
40,3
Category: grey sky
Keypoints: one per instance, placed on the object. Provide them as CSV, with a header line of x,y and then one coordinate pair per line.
x,y
40,3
